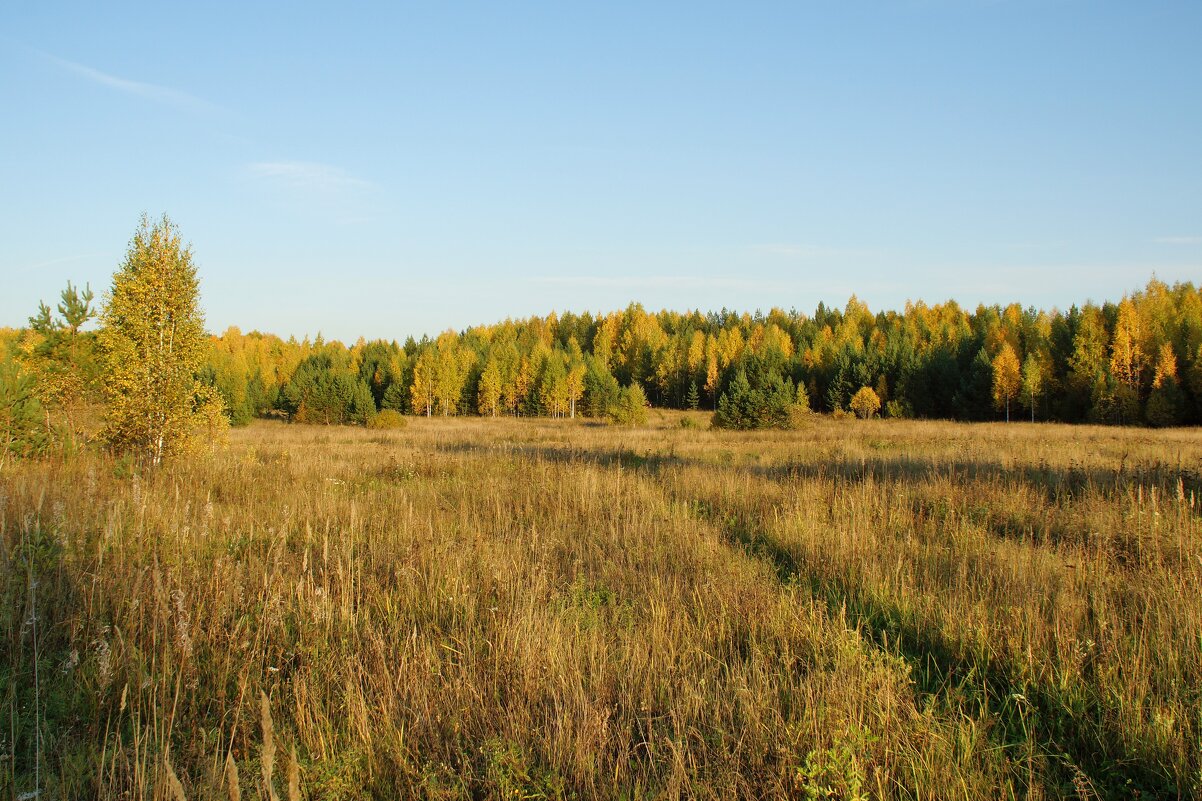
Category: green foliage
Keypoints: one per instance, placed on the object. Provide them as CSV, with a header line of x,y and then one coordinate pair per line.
x,y
324,389
802,400
898,410
974,399
243,398
394,397
768,402
380,368
1166,404
832,773
631,407
511,773
601,390
62,360
22,425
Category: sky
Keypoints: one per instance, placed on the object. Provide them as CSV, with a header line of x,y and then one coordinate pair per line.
x,y
399,169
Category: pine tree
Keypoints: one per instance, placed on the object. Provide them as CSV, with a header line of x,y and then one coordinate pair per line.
x,y
691,399
738,407
153,347
21,432
62,358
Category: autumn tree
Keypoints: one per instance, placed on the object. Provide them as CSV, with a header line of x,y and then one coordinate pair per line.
x,y
712,376
802,399
1166,401
575,384
153,346
552,386
1127,361
1032,382
1006,378
488,392
865,403
452,364
1087,363
424,389
1093,362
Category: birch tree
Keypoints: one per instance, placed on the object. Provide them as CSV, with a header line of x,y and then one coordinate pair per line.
x,y
153,346
1006,378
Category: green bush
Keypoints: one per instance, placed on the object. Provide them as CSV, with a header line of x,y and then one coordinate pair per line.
x,y
898,410
631,407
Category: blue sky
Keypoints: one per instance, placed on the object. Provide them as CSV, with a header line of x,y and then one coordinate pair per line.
x,y
397,169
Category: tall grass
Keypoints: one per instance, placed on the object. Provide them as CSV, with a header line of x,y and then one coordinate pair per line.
x,y
535,609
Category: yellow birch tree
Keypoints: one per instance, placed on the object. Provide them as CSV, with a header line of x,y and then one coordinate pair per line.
x,y
153,347
1006,378
488,391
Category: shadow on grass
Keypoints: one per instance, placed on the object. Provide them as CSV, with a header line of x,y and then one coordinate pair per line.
x,y
1070,733
1073,733
1057,483
43,706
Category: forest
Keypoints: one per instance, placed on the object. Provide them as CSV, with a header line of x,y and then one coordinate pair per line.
x,y
1137,361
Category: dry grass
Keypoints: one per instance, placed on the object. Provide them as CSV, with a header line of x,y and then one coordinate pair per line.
x,y
531,609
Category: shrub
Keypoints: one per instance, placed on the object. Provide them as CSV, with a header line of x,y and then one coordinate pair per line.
x,y
631,407
865,403
387,419
802,400
898,410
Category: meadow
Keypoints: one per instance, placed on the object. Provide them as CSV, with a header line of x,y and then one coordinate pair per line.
x,y
530,608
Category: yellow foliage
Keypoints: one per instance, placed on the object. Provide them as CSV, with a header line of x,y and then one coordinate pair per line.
x,y
153,345
865,403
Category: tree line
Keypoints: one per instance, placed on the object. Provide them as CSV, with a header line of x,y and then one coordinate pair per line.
x,y
149,372
1138,361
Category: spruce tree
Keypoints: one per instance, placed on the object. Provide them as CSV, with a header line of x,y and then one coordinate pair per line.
x,y
692,399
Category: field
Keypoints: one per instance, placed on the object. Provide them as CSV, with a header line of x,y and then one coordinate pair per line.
x,y
476,608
